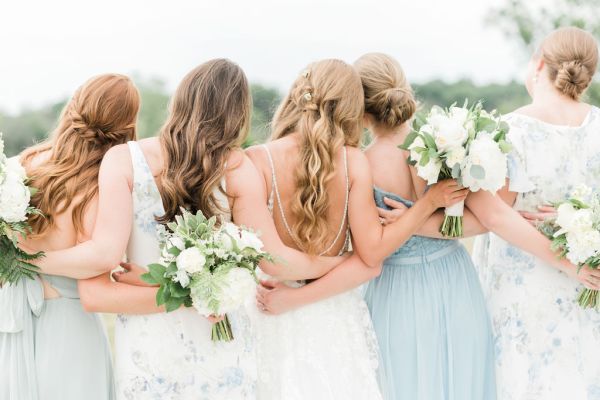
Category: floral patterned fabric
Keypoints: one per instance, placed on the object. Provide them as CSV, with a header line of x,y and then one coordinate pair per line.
x,y
547,348
171,356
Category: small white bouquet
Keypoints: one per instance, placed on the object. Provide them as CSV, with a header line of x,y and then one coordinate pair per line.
x,y
15,196
209,267
463,143
575,234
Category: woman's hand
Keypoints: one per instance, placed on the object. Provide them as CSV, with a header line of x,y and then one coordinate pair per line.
x,y
446,193
587,276
388,216
273,297
535,218
132,275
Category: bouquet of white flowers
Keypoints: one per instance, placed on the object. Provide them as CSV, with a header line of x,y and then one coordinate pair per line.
x,y
575,234
463,143
209,267
14,209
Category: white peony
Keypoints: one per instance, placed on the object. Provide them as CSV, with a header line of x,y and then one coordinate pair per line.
x,y
191,260
239,287
583,245
455,156
14,199
485,154
459,114
430,172
14,167
572,220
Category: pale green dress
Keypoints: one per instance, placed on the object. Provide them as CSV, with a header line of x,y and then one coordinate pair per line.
x,y
51,349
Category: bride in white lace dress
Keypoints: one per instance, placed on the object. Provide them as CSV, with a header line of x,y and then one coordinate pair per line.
x,y
320,192
547,347
196,159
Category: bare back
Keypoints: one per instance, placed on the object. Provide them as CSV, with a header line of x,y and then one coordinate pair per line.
x,y
284,153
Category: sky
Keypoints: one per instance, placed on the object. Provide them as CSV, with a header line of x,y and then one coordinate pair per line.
x,y
49,48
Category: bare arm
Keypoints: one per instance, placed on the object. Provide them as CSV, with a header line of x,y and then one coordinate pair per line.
x,y
374,242
250,209
111,232
101,294
500,218
277,298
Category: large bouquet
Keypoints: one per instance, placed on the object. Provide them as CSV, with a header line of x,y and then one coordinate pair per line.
x,y
575,234
463,143
209,267
14,209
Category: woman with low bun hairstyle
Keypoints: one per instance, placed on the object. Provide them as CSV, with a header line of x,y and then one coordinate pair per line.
x,y
50,348
547,347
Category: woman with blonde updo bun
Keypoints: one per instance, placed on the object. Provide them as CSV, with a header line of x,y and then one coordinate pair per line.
x,y
547,347
321,198
50,348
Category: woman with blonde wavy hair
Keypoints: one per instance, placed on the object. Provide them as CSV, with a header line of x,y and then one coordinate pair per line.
x,y
197,163
321,200
50,348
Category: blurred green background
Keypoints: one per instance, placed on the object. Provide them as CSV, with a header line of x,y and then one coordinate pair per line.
x,y
523,23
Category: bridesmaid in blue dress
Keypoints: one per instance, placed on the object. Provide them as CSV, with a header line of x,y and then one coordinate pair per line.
x,y
427,305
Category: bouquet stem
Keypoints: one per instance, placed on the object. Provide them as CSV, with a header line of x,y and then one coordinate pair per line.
x,y
453,221
588,299
221,331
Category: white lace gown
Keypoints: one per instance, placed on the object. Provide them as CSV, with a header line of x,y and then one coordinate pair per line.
x,y
547,347
323,351
170,355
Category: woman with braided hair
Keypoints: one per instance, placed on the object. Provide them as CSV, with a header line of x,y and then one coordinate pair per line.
x,y
50,348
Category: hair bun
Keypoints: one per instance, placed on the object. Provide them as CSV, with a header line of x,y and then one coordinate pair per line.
x,y
392,106
572,78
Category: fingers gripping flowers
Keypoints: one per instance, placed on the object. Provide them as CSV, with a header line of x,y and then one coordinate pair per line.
x,y
208,266
463,143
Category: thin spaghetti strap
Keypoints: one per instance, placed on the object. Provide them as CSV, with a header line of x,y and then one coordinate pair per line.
x,y
273,178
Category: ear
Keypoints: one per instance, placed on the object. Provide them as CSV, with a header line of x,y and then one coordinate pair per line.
x,y
539,66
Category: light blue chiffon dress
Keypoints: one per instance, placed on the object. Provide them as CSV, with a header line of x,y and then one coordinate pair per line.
x,y
431,322
51,349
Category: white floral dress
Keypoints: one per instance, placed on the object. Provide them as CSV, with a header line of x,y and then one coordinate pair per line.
x,y
547,348
170,355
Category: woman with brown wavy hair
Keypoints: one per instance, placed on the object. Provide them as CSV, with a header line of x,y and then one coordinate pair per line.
x,y
196,163
321,199
50,348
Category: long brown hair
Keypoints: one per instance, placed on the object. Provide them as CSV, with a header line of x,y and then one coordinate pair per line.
x,y
209,116
101,114
325,106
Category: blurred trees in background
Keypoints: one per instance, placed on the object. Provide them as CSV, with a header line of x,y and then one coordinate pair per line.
x,y
524,22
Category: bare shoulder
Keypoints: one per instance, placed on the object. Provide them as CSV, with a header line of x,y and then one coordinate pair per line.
x,y
243,174
358,164
257,154
528,110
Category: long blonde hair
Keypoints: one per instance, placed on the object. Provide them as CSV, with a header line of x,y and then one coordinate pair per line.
x,y
101,114
209,116
571,57
325,106
389,97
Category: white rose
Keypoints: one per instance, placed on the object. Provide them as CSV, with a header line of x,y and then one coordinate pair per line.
x,y
430,172
450,134
191,260
455,156
484,153
14,199
565,218
250,240
582,245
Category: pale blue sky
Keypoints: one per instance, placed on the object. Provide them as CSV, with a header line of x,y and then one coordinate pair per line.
x,y
48,48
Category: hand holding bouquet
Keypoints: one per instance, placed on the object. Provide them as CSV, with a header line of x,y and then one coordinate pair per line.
x,y
466,144
575,234
209,267
14,209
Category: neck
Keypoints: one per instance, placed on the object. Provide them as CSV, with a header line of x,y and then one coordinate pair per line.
x,y
393,136
547,97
